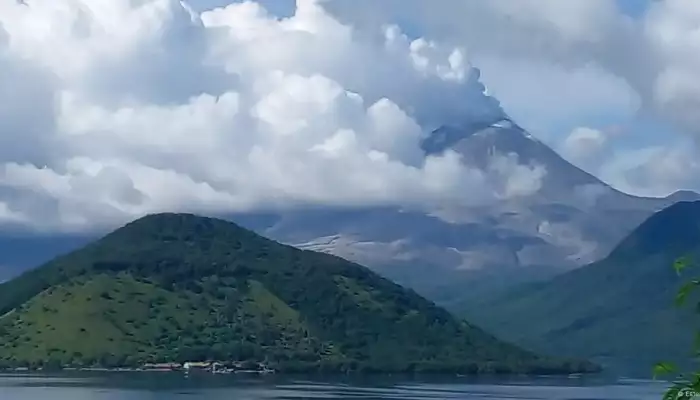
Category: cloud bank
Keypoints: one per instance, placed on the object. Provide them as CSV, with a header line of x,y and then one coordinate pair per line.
x,y
113,109
657,54
557,65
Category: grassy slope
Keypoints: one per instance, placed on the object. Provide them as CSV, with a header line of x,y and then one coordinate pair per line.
x,y
619,307
175,287
137,321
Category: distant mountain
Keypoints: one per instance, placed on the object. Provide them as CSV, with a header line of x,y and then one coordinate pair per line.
x,y
177,287
459,255
453,255
683,195
479,143
620,307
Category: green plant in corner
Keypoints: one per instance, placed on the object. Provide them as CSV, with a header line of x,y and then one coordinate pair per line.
x,y
685,386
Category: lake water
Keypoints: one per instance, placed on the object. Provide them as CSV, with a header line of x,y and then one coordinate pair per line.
x,y
161,386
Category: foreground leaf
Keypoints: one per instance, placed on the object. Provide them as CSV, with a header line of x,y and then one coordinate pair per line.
x,y
680,264
685,290
663,368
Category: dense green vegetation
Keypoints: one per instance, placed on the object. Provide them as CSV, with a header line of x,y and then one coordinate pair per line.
x,y
177,287
685,386
620,307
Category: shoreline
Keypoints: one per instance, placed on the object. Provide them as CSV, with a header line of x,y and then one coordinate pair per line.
x,y
183,372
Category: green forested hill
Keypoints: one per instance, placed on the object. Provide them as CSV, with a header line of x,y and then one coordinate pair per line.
x,y
620,307
177,287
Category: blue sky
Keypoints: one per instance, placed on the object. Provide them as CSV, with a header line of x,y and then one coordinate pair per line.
x,y
277,7
633,8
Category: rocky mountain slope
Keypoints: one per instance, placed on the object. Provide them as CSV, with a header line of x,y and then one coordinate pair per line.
x,y
460,254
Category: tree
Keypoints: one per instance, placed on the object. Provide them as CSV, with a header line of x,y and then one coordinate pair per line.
x,y
685,386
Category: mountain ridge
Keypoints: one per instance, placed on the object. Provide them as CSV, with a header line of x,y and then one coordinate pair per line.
x,y
171,287
620,307
574,219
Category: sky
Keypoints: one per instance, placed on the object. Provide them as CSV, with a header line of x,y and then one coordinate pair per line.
x,y
110,109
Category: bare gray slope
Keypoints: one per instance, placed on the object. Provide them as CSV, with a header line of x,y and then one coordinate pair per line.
x,y
572,220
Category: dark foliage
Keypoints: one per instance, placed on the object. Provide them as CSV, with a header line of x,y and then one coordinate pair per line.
x,y
619,308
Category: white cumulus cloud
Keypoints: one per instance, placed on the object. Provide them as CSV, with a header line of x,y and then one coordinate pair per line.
x,y
112,109
653,171
582,144
557,65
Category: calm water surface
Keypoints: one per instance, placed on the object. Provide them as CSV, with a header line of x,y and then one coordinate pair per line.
x,y
163,386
